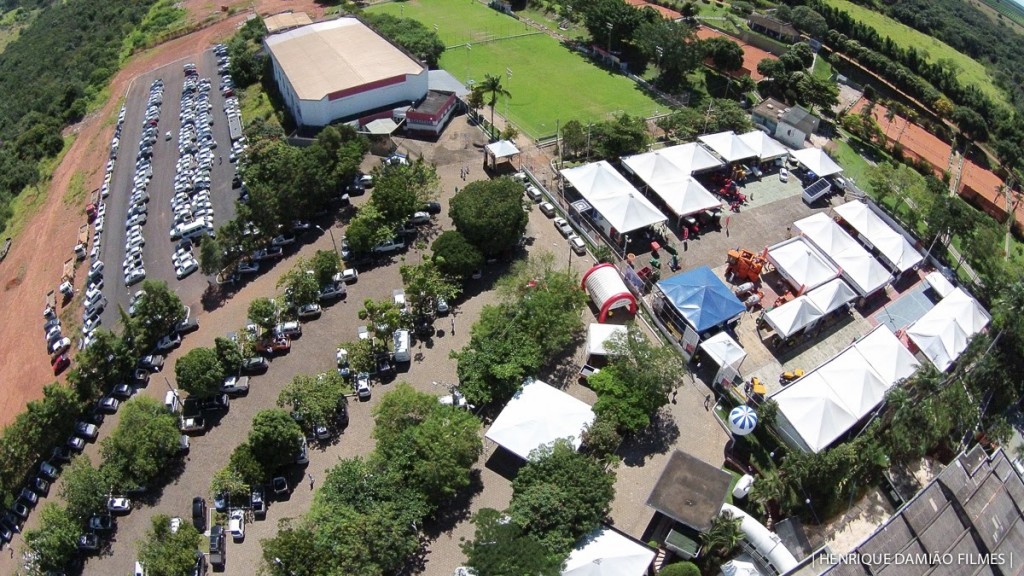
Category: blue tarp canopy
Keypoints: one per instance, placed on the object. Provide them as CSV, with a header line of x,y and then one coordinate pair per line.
x,y
701,298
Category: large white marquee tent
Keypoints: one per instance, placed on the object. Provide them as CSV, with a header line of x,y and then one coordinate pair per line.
x,y
598,336
823,405
808,308
537,415
680,191
831,295
892,245
728,146
859,268
766,147
815,160
690,157
619,203
605,552
944,331
800,263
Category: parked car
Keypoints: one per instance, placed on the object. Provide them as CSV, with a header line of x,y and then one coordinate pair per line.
x,y
123,391
109,404
39,485
280,486
783,174
348,276
563,227
89,542
236,384
547,209
289,329
76,444
152,362
60,363
86,430
49,470
534,193
217,547
101,523
119,505
236,525
246,267
419,218
332,291
432,207
363,386
309,311
258,503
254,365
283,240
578,245
275,346
168,343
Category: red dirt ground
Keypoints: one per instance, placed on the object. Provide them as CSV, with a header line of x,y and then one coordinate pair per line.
x,y
752,55
35,261
667,13
915,140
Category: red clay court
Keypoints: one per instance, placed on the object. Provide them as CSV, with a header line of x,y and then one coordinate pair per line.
x,y
916,141
752,55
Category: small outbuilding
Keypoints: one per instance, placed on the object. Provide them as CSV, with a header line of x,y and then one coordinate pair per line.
x,y
608,290
690,491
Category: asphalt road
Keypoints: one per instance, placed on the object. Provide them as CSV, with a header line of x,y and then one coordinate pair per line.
x,y
158,250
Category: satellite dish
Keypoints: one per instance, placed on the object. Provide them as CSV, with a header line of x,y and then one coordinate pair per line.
x,y
742,420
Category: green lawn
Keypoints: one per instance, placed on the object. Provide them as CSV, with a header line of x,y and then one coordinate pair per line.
x,y
822,69
549,83
854,165
970,70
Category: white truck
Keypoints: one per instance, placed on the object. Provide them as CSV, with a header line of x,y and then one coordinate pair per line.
x,y
235,385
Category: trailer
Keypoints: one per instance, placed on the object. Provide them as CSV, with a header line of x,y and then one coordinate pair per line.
x,y
67,279
817,191
82,248
50,311
92,208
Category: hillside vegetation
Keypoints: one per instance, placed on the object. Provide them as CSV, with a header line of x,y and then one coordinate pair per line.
x,y
49,75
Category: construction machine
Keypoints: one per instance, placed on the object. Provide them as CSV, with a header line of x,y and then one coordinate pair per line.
x,y
744,265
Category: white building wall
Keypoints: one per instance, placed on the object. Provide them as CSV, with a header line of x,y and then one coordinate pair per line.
x,y
323,112
790,136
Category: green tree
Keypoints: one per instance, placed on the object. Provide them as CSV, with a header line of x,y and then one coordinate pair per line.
x,y
680,51
560,495
169,553
809,21
424,285
492,89
622,136
723,536
156,314
727,115
325,264
680,569
199,372
683,125
211,256
83,488
411,35
263,312
489,214
500,547
546,300
53,546
300,288
435,445
725,54
574,139
295,550
815,92
399,189
601,438
43,425
142,447
455,256
316,398
243,466
274,439
951,215
382,317
637,380
360,355
103,365
230,480
229,354
367,229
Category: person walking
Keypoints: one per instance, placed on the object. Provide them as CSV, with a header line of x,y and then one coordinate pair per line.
x,y
310,481
453,326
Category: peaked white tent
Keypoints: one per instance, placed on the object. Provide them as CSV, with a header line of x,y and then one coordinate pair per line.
x,y
793,316
823,405
599,334
815,160
800,263
766,147
690,157
683,194
892,245
605,552
502,149
619,203
537,415
858,267
944,331
831,295
724,350
728,146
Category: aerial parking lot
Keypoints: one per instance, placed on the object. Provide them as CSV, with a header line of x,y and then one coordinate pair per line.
x,y
187,140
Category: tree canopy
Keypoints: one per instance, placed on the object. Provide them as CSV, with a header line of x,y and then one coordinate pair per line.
x,y
169,553
456,256
142,447
53,545
500,547
199,372
409,34
156,313
424,285
83,488
489,214
274,439
315,398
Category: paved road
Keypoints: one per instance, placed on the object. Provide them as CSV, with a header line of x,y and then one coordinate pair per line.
x,y
158,250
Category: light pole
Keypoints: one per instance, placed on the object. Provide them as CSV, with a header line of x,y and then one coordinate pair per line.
x,y
331,232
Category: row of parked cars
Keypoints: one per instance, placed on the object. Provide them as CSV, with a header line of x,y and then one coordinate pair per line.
x,y
133,266
231,105
191,204
534,194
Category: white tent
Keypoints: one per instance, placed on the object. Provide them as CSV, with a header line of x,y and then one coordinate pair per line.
x,y
599,334
892,245
944,331
622,205
605,552
538,415
728,146
799,263
683,194
502,149
815,160
887,355
793,316
766,147
723,350
858,266
690,157
608,290
820,407
831,295
737,567
937,282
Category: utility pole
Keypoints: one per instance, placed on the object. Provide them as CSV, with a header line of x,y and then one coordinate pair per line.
x,y
609,26
508,74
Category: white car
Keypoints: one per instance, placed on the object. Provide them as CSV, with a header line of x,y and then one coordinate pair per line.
x,y
578,245
419,218
119,505
547,209
563,227
134,276
784,175
60,346
363,386
236,525
309,311
186,268
348,276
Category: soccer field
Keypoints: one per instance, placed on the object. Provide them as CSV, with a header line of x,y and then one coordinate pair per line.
x,y
549,83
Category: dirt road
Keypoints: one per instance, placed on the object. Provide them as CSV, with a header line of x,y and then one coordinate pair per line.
x,y
34,263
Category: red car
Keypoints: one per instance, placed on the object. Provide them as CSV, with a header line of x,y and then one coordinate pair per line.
x,y
60,363
277,346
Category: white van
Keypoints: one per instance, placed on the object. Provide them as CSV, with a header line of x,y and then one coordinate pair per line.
x,y
189,230
171,402
402,346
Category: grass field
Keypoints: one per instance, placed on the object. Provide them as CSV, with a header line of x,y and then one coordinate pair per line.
x,y
970,70
549,82
1011,12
